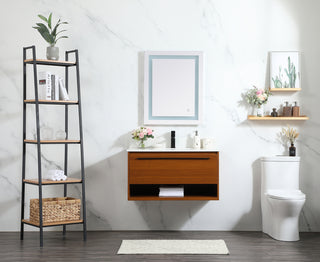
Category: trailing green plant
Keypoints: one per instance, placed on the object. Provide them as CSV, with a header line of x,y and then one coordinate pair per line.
x,y
48,32
291,73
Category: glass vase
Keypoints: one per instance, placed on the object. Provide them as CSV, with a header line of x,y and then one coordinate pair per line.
x,y
292,150
141,144
260,110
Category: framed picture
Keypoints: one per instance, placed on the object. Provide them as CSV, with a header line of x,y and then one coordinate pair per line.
x,y
284,69
172,88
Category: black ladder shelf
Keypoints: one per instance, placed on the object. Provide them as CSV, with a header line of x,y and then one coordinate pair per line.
x,y
40,182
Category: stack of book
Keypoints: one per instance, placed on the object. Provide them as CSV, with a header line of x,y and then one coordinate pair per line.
x,y
171,191
51,87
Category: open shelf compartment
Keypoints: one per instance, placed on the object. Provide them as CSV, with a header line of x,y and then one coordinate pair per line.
x,y
191,192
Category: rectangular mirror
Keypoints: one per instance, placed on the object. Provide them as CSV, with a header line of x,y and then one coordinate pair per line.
x,y
172,88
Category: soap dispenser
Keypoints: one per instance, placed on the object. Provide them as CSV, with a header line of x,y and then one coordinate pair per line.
x,y
296,109
173,139
196,141
287,110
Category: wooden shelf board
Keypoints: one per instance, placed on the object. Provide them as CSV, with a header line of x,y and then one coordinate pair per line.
x,y
284,89
251,117
48,224
64,102
52,141
69,180
137,198
50,62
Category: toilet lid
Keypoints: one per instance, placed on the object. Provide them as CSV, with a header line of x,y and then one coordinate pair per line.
x,y
286,194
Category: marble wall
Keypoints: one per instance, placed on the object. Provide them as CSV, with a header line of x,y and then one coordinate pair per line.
x,y
111,36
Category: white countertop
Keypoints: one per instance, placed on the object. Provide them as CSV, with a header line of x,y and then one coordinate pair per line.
x,y
155,149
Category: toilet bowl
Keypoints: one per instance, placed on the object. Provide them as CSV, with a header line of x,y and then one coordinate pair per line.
x,y
281,199
285,207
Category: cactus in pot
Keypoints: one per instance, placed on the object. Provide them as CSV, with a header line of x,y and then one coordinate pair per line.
x,y
50,34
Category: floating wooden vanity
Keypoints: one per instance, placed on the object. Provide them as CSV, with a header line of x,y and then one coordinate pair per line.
x,y
197,171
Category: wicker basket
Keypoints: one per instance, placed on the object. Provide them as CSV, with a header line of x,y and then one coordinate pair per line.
x,y
55,209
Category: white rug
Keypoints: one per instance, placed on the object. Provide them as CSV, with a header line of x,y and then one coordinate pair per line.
x,y
217,247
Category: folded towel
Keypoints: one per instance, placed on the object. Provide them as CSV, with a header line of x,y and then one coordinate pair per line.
x,y
56,175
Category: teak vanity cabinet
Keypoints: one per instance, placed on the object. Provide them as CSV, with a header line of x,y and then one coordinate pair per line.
x,y
196,171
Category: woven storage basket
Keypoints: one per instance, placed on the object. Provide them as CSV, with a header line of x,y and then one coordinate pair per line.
x,y
55,209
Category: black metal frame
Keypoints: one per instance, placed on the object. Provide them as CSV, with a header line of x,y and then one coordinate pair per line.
x,y
38,141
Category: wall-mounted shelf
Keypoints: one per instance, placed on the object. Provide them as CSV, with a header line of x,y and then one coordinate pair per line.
x,y
285,89
270,118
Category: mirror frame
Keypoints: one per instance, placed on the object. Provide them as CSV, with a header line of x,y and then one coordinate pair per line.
x,y
149,72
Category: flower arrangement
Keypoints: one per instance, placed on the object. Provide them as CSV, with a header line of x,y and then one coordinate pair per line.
x,y
290,133
141,134
257,96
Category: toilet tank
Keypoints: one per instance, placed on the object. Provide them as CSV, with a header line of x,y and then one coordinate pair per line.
x,y
279,172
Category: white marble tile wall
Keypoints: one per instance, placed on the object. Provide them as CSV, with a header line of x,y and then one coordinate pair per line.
x,y
111,36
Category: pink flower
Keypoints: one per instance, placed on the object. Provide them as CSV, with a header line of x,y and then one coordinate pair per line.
x,y
141,135
259,92
149,131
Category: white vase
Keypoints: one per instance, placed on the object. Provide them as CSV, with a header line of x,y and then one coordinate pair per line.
x,y
260,111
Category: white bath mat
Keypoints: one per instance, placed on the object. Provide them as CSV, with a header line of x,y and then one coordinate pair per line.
x,y
217,247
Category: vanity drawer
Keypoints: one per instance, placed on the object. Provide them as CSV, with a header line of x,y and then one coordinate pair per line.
x,y
173,168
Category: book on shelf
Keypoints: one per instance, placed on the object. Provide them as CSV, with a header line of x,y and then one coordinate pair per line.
x,y
45,84
54,87
51,87
171,191
63,93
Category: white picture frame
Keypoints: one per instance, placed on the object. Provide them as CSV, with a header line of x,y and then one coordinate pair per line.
x,y
285,70
173,87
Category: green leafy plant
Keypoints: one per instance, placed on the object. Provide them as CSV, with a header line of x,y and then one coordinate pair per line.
x,y
49,32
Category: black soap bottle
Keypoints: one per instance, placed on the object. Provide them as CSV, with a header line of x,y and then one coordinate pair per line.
x,y
173,139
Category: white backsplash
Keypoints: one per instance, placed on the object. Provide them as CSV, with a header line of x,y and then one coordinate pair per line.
x,y
235,37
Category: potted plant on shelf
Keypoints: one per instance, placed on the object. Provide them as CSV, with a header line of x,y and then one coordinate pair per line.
x,y
50,34
141,134
291,134
258,97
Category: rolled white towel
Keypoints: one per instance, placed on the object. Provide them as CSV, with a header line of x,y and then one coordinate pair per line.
x,y
56,175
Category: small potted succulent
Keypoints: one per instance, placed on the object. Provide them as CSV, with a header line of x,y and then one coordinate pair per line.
x,y
50,34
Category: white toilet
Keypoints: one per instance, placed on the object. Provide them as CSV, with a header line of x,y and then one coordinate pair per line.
x,y
281,199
